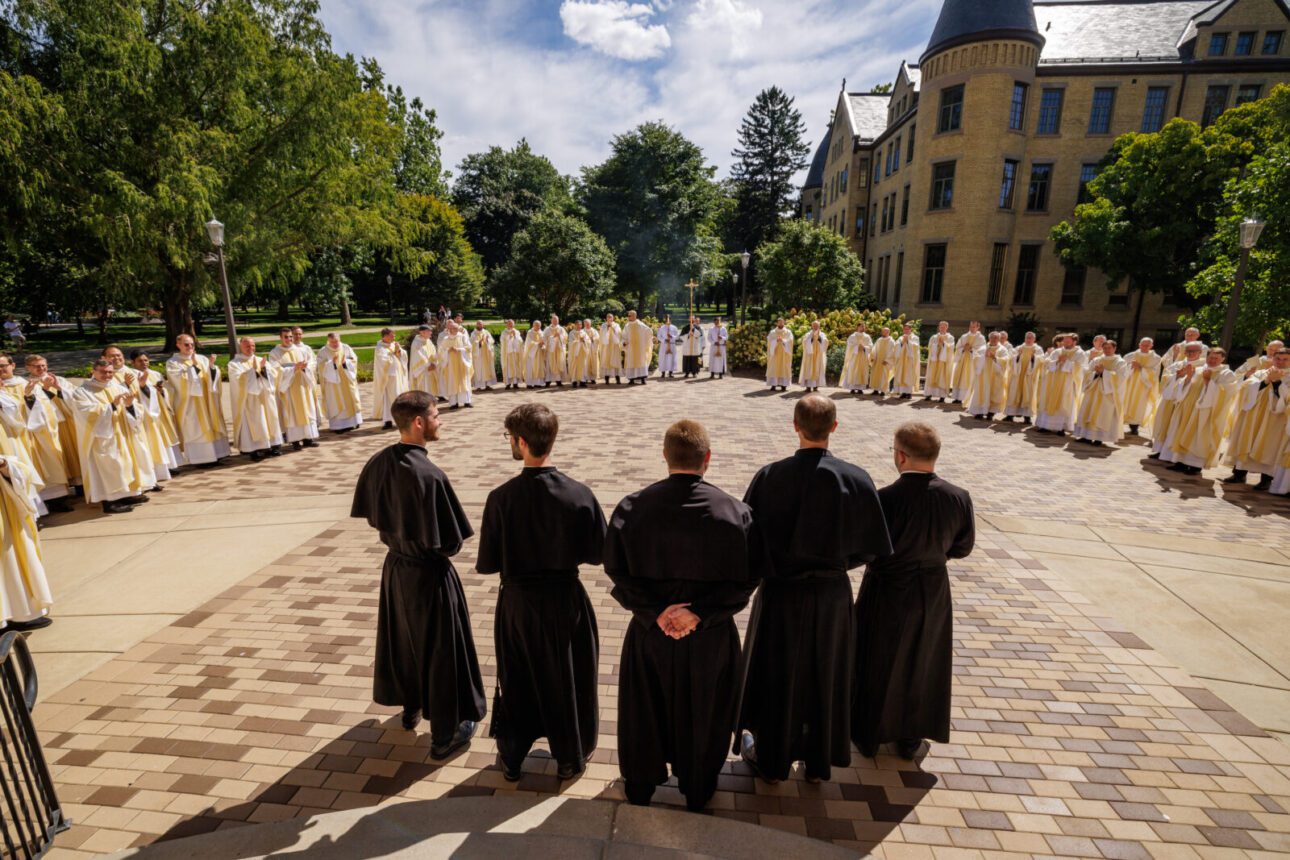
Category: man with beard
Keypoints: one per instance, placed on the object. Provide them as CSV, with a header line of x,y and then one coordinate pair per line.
x,y
538,528
820,516
425,654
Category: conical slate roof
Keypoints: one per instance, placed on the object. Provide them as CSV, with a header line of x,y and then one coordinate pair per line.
x,y
815,176
963,21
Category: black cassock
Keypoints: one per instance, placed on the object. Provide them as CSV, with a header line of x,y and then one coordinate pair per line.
x,y
905,615
691,363
680,540
538,527
425,654
821,517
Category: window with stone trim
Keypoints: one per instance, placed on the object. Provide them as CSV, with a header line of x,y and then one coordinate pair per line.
x,y
1099,117
1050,110
1245,43
933,274
1008,185
909,151
1215,103
998,266
1272,42
1247,93
1041,179
895,160
900,272
884,215
1017,110
1087,173
904,207
1023,291
1073,286
942,185
950,117
1217,44
1153,112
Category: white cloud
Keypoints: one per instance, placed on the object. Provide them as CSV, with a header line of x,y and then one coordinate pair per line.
x,y
615,28
733,21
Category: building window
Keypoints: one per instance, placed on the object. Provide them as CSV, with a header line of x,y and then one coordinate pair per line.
x,y
951,115
877,168
842,222
884,264
1099,118
1017,112
1073,286
1087,173
1009,183
1218,44
1215,104
1023,292
900,271
859,220
887,169
1248,93
1041,176
884,214
942,185
846,172
1272,42
1050,111
1244,44
1153,113
895,161
909,151
933,274
904,207
1119,298
873,222
998,262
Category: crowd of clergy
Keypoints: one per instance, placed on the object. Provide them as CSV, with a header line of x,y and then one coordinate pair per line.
x,y
818,674
1195,409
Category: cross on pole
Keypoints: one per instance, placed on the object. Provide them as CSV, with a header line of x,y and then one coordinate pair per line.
x,y
692,286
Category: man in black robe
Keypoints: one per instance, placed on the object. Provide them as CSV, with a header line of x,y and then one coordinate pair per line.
x,y
538,527
904,614
425,654
821,518
678,553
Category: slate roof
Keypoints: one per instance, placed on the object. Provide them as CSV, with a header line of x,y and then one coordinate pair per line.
x,y
868,114
962,20
1090,31
815,176
915,76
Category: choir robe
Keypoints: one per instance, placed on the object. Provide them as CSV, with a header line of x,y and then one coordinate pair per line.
x,y
718,336
904,615
580,352
1281,474
677,697
1058,402
940,365
482,362
537,529
512,348
440,365
1178,352
1203,418
109,466
1141,388
341,402
557,353
815,359
593,357
821,518
779,357
425,653
668,337
534,358
1259,431
389,378
611,349
159,421
908,357
638,349
423,370
143,446
693,341
62,401
253,390
26,421
989,381
881,364
24,590
855,369
1173,388
1025,363
454,355
1101,408
297,398
969,342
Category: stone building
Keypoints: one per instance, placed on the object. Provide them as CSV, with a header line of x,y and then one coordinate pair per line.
x,y
947,186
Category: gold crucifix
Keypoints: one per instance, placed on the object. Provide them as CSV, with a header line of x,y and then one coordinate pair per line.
x,y
692,286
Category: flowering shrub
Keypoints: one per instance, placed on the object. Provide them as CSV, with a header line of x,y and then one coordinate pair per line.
x,y
748,342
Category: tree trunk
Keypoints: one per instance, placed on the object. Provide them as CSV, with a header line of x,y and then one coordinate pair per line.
x,y
80,324
1137,317
345,318
103,318
177,310
284,309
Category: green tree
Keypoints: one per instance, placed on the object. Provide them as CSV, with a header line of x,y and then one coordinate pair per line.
x,y
557,265
882,88
810,267
500,191
433,254
419,168
771,151
654,202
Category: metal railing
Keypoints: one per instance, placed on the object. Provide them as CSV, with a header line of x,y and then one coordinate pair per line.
x,y
30,815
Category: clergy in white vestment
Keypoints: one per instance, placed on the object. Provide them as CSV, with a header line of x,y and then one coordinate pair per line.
x,y
1057,402
964,351
611,349
815,358
423,362
557,352
105,409
441,363
158,420
718,336
693,342
1175,381
389,376
779,356
638,349
1260,360
908,360
1101,407
535,356
145,439
989,379
483,369
41,421
1201,422
194,381
54,393
1177,352
1095,351
940,363
593,360
253,392
1259,433
1141,386
297,378
882,362
338,371
668,337
512,349
25,598
855,369
1023,376
16,417
580,351
456,357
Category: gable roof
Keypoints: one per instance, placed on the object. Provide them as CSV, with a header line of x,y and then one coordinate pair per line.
x,y
867,113
1118,30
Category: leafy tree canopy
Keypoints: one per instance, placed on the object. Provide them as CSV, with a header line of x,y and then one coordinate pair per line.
x,y
810,267
557,265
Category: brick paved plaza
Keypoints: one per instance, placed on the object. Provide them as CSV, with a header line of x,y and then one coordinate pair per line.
x,y
1072,735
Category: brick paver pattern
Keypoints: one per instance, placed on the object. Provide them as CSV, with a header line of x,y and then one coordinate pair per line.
x,y
1071,736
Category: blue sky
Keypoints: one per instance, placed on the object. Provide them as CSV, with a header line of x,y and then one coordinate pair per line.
x,y
570,74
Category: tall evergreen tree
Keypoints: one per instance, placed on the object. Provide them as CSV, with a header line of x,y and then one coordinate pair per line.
x,y
771,151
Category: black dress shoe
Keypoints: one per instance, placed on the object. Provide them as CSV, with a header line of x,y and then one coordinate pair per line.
x,y
1265,483
388,425
61,505
1237,477
570,770
295,446
460,738
156,489
908,748
257,456
309,443
25,626
120,506
411,716
1153,456
137,500
748,752
1133,429
275,451
470,406
511,773
868,750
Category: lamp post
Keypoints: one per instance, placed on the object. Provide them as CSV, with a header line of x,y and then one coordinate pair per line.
x,y
215,230
745,258
730,306
1250,230
389,290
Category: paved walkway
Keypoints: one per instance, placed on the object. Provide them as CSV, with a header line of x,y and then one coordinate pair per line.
x,y
1074,733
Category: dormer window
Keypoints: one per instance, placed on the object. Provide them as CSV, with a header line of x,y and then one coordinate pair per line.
x,y
1217,44
1245,43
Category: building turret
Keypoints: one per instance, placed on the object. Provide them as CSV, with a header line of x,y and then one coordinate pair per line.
x,y
964,21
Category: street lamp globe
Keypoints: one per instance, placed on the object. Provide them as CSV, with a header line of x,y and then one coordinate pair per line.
x,y
745,258
215,230
1251,228
734,279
